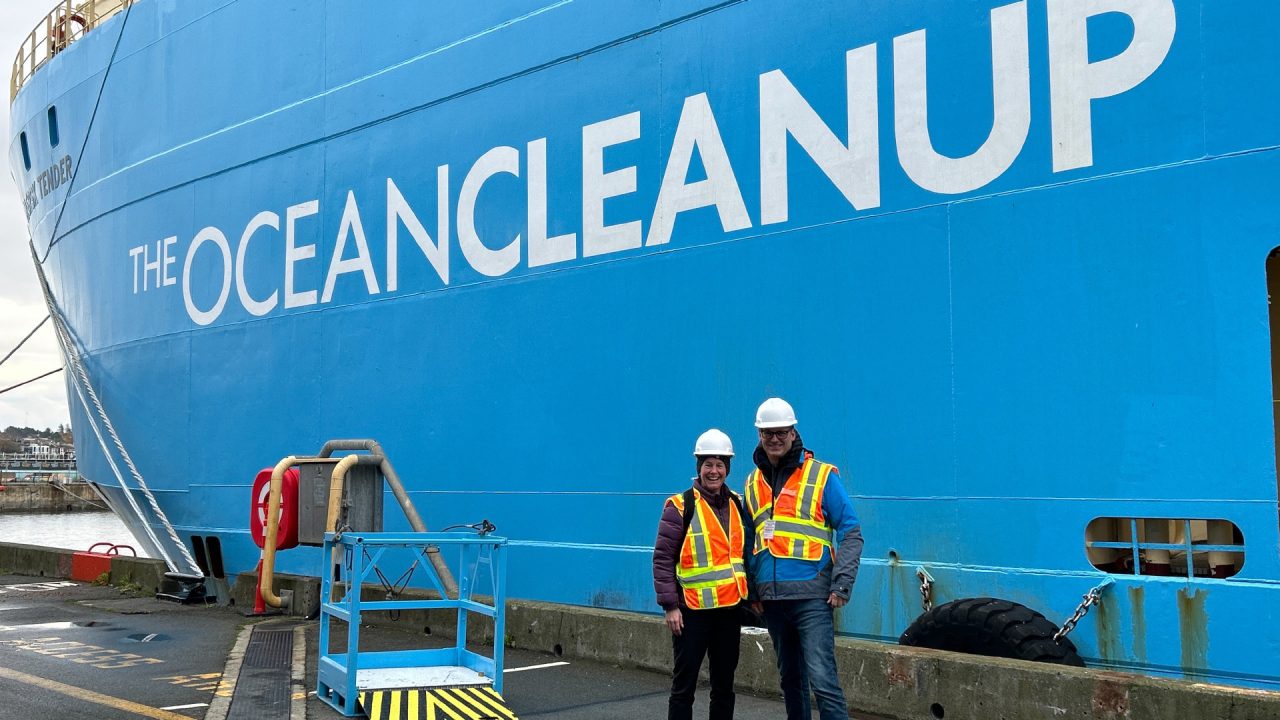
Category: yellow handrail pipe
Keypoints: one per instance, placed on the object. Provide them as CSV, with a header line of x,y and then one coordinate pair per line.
x,y
273,529
336,482
402,497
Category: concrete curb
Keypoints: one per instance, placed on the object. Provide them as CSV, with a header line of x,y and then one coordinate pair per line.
x,y
35,561
143,572
298,675
38,561
220,706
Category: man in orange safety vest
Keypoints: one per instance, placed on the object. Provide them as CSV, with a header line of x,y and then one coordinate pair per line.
x,y
804,559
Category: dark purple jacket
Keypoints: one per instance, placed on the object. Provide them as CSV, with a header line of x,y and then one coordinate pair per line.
x,y
666,549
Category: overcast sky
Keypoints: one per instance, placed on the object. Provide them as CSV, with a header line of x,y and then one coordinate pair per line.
x,y
43,403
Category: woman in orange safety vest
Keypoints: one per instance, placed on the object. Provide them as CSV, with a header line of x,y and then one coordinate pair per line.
x,y
700,578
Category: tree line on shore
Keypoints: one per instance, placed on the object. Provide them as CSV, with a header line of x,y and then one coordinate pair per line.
x,y
11,438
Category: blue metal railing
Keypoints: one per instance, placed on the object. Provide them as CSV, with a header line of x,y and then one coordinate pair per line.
x,y
479,557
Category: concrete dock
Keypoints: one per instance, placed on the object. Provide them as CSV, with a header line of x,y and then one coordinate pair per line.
x,y
47,496
71,649
112,651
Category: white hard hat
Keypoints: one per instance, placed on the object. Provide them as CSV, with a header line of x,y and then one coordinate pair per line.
x,y
713,442
775,413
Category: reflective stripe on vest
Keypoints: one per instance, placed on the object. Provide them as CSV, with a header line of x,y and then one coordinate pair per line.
x,y
710,569
800,531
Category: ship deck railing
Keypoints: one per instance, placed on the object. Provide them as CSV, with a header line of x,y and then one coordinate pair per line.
x,y
66,23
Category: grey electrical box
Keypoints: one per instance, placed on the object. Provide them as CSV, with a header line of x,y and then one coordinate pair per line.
x,y
361,500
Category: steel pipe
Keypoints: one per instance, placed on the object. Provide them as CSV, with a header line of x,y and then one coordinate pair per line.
x,y
402,497
273,529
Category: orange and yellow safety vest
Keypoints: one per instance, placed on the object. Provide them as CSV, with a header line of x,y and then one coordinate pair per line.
x,y
799,529
711,571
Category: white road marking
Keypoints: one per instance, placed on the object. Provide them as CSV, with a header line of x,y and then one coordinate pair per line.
x,y
535,667
37,587
186,707
42,626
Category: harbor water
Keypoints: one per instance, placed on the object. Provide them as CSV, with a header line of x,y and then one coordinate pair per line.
x,y
71,531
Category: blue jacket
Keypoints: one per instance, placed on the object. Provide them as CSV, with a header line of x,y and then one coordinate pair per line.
x,y
790,579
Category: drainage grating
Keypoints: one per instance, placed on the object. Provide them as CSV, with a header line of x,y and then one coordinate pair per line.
x,y
269,649
263,688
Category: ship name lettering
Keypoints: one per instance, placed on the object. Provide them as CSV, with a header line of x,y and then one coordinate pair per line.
x,y
44,184
153,271
847,157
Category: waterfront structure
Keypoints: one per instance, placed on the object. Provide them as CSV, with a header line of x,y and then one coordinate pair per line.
x,y
1009,260
41,466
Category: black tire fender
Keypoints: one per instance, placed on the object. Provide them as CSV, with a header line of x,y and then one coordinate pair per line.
x,y
991,627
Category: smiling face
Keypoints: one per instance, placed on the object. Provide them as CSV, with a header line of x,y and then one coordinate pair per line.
x,y
776,442
711,473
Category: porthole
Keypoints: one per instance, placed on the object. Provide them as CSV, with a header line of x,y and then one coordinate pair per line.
x,y
1165,546
53,126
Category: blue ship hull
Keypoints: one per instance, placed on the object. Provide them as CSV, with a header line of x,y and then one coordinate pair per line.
x,y
535,248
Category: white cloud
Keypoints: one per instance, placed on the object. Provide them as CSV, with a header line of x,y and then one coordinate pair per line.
x,y
42,403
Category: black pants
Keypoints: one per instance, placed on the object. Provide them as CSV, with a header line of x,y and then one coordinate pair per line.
x,y
706,632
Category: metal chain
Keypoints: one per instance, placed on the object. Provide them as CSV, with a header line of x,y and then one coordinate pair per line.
x,y
1088,600
926,589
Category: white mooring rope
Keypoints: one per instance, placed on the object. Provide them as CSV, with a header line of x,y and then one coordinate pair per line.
x,y
82,386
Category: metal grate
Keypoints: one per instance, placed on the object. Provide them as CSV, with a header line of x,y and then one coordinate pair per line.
x,y
269,649
263,690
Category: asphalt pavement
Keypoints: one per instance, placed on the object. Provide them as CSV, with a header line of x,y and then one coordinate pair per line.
x,y
540,686
75,650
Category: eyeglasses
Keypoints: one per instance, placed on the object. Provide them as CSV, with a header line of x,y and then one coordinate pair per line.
x,y
775,433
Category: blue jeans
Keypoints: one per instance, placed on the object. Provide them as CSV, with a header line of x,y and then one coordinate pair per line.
x,y
804,640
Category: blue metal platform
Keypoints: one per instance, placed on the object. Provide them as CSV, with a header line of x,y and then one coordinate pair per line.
x,y
343,676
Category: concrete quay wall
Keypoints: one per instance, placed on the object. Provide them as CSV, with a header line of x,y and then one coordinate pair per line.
x,y
883,680
145,574
48,497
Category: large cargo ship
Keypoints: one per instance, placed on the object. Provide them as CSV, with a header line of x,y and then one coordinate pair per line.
x,y
1010,262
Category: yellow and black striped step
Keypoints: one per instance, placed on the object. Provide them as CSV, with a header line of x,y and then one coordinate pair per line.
x,y
456,703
